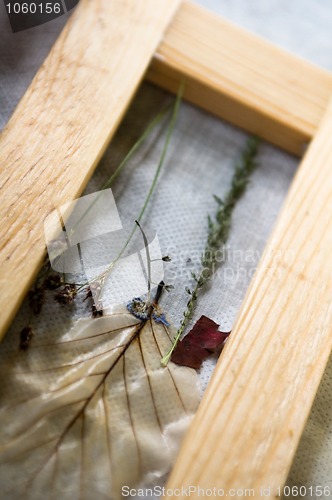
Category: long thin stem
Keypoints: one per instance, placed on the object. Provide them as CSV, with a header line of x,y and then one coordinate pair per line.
x,y
218,232
170,129
164,151
148,259
137,145
149,129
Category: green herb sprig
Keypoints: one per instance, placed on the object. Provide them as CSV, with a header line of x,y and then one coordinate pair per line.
x,y
218,231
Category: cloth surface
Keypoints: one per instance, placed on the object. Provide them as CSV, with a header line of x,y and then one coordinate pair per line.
x,y
199,164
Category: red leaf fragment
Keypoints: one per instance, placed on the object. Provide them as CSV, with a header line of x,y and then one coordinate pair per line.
x,y
202,340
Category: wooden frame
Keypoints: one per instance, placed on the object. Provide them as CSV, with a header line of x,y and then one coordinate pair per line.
x,y
245,435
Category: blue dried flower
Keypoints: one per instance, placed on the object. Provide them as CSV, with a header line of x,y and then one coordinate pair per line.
x,y
160,317
137,307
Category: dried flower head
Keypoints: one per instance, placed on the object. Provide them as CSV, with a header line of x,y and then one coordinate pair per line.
x,y
138,308
159,316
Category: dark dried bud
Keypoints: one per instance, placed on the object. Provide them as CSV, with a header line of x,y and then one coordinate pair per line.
x,y
96,312
53,281
25,338
166,258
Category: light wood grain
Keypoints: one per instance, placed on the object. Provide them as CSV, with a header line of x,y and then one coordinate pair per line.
x,y
242,78
251,418
64,122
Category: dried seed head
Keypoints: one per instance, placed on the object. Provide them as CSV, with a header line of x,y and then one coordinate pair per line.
x,y
93,290
88,293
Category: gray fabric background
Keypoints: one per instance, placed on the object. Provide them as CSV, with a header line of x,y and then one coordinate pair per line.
x,y
199,163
